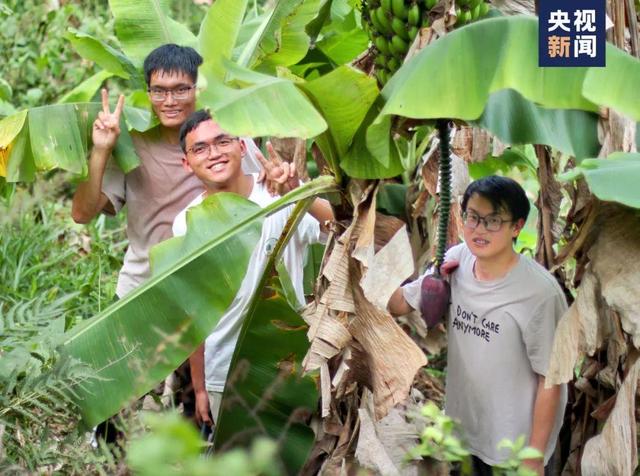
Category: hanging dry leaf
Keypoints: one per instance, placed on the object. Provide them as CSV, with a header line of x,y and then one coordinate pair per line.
x,y
614,451
388,269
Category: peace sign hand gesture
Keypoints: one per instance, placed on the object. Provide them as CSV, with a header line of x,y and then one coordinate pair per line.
x,y
106,127
280,175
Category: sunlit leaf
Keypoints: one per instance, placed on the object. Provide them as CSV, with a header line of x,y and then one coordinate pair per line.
x,y
612,179
144,25
454,75
616,85
105,56
218,35
87,89
255,105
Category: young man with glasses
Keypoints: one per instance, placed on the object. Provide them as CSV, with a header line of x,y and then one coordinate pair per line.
x,y
160,187
502,318
216,159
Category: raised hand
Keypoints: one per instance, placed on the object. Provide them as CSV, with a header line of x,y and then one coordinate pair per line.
x,y
281,176
106,127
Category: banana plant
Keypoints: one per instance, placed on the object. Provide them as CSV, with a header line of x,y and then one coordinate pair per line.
x,y
139,340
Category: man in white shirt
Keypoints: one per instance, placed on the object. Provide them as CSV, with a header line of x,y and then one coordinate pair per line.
x,y
216,159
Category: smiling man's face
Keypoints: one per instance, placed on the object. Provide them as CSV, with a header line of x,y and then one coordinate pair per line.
x,y
214,155
173,112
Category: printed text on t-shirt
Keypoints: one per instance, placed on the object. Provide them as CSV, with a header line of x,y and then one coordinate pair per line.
x,y
468,322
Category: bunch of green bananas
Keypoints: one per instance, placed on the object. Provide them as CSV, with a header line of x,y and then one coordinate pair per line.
x,y
392,26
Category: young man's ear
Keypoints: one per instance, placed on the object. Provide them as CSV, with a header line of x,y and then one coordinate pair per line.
x,y
243,147
518,226
185,164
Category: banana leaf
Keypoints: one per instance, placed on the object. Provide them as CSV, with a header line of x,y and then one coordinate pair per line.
x,y
257,105
218,35
266,393
516,121
105,56
143,25
290,43
281,38
613,179
359,162
343,112
459,75
87,89
137,341
59,136
616,85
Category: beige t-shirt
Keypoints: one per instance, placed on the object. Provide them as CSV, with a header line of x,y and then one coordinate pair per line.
x,y
500,338
154,194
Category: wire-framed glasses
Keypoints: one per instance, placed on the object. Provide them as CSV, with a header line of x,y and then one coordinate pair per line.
x,y
221,144
491,222
179,94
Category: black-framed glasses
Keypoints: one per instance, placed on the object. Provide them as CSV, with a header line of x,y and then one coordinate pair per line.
x,y
491,222
179,94
221,145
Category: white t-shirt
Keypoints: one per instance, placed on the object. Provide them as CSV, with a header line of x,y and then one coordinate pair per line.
x,y
220,344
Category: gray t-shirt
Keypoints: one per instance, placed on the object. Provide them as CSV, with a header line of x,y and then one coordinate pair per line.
x,y
154,194
500,336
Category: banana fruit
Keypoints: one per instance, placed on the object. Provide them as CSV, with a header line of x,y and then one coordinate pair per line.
x,y
392,25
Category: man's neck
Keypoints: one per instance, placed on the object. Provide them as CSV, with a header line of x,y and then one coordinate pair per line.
x,y
242,185
495,267
170,135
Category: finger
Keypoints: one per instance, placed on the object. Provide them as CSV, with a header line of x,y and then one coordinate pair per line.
x,y
273,155
284,176
98,124
262,175
264,162
119,107
105,101
292,170
449,267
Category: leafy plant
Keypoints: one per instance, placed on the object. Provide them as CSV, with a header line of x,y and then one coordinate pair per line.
x,y
173,447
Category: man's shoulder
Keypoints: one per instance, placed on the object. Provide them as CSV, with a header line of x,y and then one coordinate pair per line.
x,y
538,278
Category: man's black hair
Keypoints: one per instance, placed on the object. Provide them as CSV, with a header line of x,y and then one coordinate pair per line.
x,y
503,193
190,124
171,58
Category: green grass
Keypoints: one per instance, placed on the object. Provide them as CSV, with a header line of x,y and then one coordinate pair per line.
x,y
45,256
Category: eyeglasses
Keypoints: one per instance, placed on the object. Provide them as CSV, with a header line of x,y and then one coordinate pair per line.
x,y
491,222
221,145
179,94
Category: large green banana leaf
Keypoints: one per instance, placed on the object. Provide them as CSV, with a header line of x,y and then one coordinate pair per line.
x,y
87,89
137,341
105,56
256,105
218,35
59,136
516,121
143,25
614,179
281,39
343,112
290,44
457,76
265,393
359,162
615,86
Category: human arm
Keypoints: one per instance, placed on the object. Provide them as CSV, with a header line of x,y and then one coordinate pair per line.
x,y
544,416
398,304
284,177
196,362
89,199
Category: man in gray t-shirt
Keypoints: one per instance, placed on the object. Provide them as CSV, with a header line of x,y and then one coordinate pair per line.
x,y
502,318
